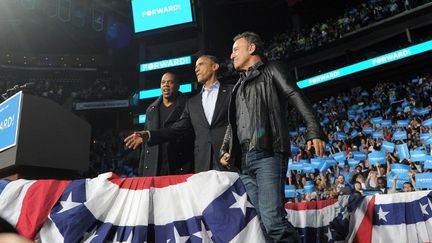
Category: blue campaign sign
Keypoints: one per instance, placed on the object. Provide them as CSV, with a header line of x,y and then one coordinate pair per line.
x,y
403,151
295,166
358,155
9,118
376,120
399,135
425,136
401,170
347,126
386,123
423,180
289,191
388,146
420,111
415,111
155,14
339,157
378,134
341,136
399,182
428,141
309,187
353,162
428,162
330,161
423,111
418,155
324,166
354,133
317,163
308,168
357,118
299,193
375,107
427,123
402,123
377,157
326,120
368,130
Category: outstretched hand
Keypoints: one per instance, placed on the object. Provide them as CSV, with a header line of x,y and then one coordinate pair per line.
x,y
136,139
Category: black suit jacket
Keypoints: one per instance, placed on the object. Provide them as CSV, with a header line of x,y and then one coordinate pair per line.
x,y
180,152
208,138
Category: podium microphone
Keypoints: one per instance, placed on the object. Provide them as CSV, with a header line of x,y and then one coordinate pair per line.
x,y
26,85
16,87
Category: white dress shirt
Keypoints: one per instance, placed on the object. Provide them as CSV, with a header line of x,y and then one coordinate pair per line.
x,y
208,98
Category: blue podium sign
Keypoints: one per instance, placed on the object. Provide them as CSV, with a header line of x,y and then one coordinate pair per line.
x,y
9,117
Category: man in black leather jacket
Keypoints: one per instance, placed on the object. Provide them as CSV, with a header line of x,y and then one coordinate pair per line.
x,y
257,134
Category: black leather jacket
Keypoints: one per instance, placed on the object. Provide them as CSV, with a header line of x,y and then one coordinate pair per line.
x,y
268,89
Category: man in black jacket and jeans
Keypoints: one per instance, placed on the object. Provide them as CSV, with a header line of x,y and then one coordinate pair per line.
x,y
258,132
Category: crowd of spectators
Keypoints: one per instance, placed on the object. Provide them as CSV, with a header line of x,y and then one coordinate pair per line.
x,y
108,154
319,34
66,91
379,141
102,89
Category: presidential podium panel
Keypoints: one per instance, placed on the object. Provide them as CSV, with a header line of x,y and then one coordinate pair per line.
x,y
40,139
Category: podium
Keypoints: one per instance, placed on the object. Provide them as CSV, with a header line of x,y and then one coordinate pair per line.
x,y
39,139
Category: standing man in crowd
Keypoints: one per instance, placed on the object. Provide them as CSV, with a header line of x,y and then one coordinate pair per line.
x,y
206,113
258,132
175,156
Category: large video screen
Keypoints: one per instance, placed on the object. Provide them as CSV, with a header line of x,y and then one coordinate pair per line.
x,y
156,14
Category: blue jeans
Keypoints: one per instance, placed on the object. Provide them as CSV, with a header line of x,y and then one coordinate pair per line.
x,y
263,174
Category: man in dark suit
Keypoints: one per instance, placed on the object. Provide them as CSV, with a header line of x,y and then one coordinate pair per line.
x,y
205,113
175,156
